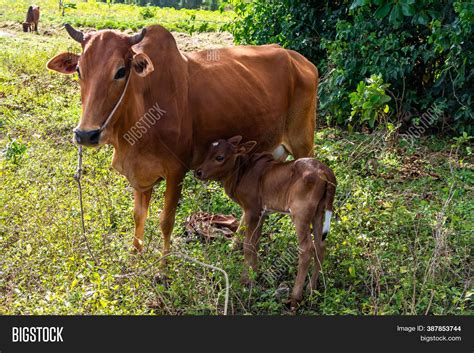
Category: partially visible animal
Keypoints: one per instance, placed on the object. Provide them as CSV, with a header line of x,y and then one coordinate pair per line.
x,y
179,103
303,188
32,19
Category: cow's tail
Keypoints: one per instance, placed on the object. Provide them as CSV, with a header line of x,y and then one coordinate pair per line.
x,y
329,200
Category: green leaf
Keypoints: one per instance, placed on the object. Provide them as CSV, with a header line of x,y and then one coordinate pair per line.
x,y
408,10
383,11
352,271
357,3
422,18
396,15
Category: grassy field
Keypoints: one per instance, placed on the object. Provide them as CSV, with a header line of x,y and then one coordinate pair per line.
x,y
400,243
119,16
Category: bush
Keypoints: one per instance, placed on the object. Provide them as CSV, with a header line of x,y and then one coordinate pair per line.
x,y
290,23
423,50
147,12
369,101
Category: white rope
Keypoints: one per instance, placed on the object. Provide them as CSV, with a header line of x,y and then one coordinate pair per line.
x,y
191,259
104,125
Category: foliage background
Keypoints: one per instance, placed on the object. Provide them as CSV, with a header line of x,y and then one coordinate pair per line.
x,y
422,49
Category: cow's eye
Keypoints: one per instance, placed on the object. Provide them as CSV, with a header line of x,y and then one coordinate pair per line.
x,y
219,158
78,71
119,74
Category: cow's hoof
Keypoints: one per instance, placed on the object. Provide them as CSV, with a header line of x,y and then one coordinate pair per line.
x,y
135,251
137,247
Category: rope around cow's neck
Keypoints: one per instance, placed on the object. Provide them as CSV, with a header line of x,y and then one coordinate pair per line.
x,y
106,122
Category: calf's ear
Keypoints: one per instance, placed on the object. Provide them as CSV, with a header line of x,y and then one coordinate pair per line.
x,y
142,64
235,140
64,63
246,147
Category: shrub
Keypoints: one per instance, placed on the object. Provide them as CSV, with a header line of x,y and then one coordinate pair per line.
x,y
422,49
369,101
14,151
290,23
147,12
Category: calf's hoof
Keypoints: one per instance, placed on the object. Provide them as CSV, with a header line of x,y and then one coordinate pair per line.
x,y
294,304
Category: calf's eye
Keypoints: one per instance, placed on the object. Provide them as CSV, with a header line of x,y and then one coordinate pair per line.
x,y
119,74
219,158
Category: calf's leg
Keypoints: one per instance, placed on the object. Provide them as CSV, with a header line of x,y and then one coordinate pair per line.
x,y
304,259
253,228
237,241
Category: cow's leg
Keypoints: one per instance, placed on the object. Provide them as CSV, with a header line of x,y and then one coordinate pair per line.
x,y
301,120
140,212
36,27
167,217
253,228
305,251
299,137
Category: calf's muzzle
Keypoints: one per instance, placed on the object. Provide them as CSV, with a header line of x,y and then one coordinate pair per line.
x,y
198,173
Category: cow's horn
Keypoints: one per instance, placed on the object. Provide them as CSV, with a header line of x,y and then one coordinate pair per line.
x,y
78,36
137,38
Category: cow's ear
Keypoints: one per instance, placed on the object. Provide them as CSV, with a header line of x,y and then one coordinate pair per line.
x,y
64,63
235,140
142,64
246,147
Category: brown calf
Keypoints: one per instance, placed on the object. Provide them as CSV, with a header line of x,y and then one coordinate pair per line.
x,y
304,188
32,18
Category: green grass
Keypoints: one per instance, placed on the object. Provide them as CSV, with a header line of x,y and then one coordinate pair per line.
x,y
101,15
400,243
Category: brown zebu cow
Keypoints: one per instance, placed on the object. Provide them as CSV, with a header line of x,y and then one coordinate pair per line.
x,y
32,18
264,93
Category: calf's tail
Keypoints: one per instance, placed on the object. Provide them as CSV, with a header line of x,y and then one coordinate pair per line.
x,y
329,199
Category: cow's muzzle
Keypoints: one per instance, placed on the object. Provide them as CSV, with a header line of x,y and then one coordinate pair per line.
x,y
87,138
